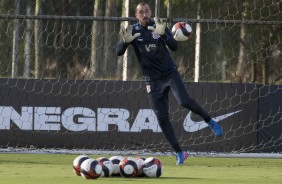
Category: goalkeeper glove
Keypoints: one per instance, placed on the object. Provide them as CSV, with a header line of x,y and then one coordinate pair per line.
x,y
126,34
160,26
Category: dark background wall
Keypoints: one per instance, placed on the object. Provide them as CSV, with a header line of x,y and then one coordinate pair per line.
x,y
255,127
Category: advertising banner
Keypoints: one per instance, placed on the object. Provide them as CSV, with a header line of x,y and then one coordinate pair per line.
x,y
117,115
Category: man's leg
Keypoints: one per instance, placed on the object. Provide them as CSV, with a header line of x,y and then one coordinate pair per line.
x,y
180,92
158,97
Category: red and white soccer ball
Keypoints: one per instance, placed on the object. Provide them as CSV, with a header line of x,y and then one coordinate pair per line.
x,y
91,169
153,167
128,167
181,31
116,160
77,163
107,166
140,161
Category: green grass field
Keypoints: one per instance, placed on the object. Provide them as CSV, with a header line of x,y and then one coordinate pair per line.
x,y
57,168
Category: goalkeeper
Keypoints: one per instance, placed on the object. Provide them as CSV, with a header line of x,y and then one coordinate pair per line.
x,y
150,40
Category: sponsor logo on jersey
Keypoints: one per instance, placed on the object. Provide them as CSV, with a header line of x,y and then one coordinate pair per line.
x,y
136,27
148,87
155,35
150,47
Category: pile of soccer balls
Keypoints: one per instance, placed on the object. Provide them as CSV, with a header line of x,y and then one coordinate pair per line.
x,y
90,168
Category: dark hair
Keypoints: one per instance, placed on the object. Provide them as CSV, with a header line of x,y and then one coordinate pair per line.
x,y
142,3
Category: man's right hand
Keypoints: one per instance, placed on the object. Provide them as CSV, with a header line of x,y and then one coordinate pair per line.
x,y
126,34
160,26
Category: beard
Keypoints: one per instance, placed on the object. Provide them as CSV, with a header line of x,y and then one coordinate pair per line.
x,y
145,21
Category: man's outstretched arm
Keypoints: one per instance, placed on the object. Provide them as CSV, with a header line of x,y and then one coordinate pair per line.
x,y
127,38
169,40
121,48
162,30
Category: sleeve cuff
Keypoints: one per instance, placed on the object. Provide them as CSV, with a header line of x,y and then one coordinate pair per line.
x,y
164,37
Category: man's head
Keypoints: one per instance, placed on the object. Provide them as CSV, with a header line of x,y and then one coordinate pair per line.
x,y
143,13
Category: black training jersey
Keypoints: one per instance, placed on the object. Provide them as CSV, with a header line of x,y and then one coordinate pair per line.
x,y
151,51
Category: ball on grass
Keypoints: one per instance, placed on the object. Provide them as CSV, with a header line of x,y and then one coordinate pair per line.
x,y
128,167
77,163
91,169
153,167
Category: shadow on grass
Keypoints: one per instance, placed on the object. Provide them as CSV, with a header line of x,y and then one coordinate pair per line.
x,y
178,178
148,179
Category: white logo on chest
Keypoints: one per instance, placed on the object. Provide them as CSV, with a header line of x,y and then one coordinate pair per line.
x,y
150,46
155,35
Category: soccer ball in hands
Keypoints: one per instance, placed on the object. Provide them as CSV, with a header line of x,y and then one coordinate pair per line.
x,y
128,167
116,160
153,167
181,31
107,166
77,163
91,169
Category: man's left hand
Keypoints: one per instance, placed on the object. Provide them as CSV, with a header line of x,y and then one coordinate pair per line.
x,y
160,26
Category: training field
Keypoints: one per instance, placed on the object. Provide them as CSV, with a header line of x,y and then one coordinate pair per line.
x,y
57,168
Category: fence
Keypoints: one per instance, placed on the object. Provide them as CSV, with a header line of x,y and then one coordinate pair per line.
x,y
237,41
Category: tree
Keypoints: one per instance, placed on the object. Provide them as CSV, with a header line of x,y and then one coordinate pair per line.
x,y
122,62
60,40
27,46
97,55
15,61
110,40
37,41
6,40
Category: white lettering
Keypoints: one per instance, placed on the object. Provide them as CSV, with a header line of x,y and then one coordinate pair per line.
x,y
23,121
77,119
85,119
47,118
145,120
109,116
150,46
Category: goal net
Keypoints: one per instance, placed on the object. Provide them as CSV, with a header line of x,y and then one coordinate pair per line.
x,y
62,85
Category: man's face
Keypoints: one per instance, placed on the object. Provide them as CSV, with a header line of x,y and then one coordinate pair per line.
x,y
143,14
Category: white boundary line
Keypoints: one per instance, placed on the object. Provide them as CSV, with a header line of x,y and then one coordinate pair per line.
x,y
134,152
